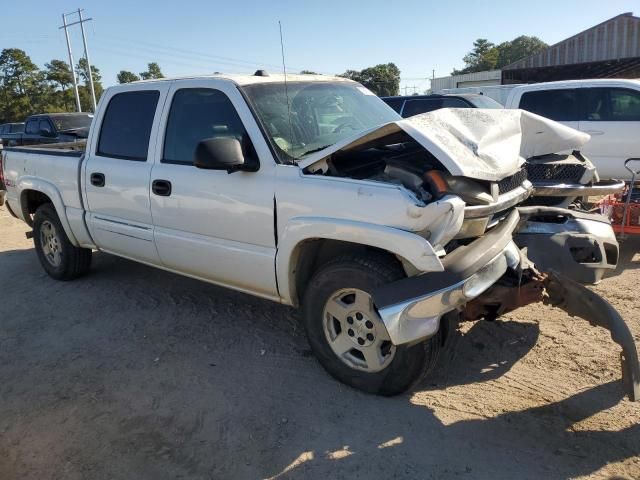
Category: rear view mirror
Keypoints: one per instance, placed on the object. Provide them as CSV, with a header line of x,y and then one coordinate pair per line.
x,y
46,133
221,153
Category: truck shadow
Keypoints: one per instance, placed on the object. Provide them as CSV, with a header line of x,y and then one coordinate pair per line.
x,y
162,376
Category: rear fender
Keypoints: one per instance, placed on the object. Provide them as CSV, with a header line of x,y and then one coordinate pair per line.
x,y
33,183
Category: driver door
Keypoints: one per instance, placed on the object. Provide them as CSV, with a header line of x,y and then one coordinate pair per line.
x,y
208,223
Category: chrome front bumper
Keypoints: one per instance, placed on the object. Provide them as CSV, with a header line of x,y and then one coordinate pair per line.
x,y
554,189
411,308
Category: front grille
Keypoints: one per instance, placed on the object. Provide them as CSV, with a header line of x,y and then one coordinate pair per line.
x,y
562,173
514,181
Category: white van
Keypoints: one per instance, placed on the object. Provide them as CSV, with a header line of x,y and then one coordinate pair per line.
x,y
607,109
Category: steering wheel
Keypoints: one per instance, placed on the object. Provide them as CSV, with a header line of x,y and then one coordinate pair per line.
x,y
344,125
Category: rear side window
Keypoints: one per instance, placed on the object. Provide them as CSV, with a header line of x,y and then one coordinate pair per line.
x,y
454,103
415,107
197,114
395,103
612,105
126,126
559,105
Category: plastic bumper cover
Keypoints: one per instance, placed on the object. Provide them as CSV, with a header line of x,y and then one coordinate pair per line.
x,y
582,246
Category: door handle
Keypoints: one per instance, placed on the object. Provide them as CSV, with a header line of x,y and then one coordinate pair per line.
x,y
594,132
97,179
162,188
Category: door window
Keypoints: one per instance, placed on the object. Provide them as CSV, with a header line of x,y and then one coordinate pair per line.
x,y
126,126
612,105
197,114
32,127
44,128
395,103
415,107
559,105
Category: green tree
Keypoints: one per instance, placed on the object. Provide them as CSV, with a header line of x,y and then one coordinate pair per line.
x,y
308,72
84,91
487,56
58,74
383,79
125,76
153,71
517,49
476,60
20,85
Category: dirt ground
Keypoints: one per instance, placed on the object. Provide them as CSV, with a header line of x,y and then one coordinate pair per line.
x,y
134,373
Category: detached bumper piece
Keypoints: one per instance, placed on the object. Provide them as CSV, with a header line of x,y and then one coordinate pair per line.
x,y
411,308
579,301
582,246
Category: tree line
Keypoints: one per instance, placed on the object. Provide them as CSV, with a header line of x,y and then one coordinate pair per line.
x,y
488,56
26,89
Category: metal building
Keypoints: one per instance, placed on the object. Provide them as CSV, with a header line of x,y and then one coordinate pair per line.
x,y
610,49
477,79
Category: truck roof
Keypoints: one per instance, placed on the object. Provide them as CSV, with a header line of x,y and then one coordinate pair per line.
x,y
577,83
251,79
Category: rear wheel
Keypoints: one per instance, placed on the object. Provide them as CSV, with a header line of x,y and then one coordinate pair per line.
x,y
348,336
59,258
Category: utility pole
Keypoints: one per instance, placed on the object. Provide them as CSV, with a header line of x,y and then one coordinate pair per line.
x,y
73,72
66,25
86,55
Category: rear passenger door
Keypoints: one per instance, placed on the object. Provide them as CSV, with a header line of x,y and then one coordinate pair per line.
x,y
211,224
117,170
612,118
560,105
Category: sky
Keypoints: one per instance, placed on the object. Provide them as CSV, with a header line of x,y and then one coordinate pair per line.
x,y
190,37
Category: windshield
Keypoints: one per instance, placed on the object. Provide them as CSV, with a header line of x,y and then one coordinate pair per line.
x,y
322,113
70,122
482,101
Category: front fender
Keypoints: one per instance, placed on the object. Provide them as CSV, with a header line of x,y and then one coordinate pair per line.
x,y
37,184
414,249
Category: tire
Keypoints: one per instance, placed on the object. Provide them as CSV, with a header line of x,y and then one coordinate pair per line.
x,y
330,308
59,258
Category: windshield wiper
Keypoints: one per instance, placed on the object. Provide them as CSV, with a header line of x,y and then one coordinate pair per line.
x,y
314,150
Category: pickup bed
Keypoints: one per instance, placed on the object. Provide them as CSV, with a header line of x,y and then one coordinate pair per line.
x,y
316,194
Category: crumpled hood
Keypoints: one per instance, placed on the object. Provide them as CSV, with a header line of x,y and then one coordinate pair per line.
x,y
485,144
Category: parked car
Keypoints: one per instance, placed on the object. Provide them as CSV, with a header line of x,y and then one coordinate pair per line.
x,y
411,105
53,128
383,230
9,131
607,109
560,179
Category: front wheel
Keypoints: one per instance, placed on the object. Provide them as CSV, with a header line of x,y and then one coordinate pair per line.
x,y
57,255
348,336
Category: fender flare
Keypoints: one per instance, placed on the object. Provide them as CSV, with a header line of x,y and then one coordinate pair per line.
x,y
409,246
50,190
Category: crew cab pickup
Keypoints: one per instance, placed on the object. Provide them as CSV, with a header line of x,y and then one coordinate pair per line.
x,y
315,194
607,109
51,128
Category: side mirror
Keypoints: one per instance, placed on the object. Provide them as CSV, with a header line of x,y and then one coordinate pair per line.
x,y
46,133
221,153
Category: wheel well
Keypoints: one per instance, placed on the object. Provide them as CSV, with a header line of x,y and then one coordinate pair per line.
x,y
30,200
311,254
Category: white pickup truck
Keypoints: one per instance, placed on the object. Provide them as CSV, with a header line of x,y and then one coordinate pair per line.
x,y
312,192
607,109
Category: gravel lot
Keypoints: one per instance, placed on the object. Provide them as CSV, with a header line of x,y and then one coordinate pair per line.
x,y
135,373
